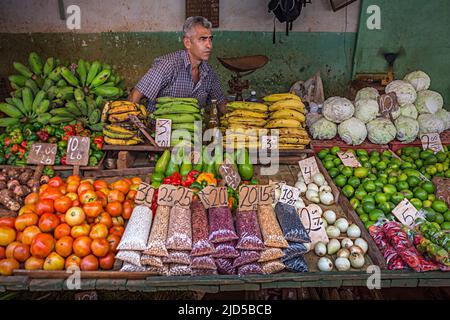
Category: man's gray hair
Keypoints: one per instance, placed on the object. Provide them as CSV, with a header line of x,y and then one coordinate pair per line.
x,y
192,21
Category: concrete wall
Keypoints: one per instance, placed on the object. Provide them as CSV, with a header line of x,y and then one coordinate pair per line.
x,y
130,34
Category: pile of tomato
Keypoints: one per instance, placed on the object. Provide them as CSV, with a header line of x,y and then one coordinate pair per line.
x,y
68,223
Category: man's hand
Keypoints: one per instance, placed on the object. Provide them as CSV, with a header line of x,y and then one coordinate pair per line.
x,y
223,107
135,96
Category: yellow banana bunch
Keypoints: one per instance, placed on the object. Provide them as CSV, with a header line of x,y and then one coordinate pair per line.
x,y
288,104
243,105
283,123
287,114
281,96
246,114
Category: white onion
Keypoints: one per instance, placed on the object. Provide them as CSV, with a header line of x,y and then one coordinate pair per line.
x,y
319,179
299,204
333,232
346,243
356,249
320,249
326,197
360,242
356,260
330,216
343,253
342,264
342,224
324,223
325,264
312,196
353,231
325,188
307,246
300,185
313,186
333,246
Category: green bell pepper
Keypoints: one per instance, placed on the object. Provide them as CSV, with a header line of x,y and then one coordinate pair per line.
x,y
62,145
163,161
50,130
98,154
92,161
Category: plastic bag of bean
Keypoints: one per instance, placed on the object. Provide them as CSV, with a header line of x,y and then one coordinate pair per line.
x,y
290,223
248,230
221,227
204,272
201,246
294,250
225,250
180,270
130,256
178,257
253,268
297,264
153,261
270,254
270,229
138,228
225,266
204,262
179,235
156,245
128,267
271,267
246,257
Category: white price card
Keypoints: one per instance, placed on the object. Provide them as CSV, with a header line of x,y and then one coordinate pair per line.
x,y
269,142
309,168
78,150
431,141
42,153
163,132
349,159
144,195
406,213
313,223
289,195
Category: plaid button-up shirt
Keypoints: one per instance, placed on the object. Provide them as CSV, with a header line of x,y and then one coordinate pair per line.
x,y
170,76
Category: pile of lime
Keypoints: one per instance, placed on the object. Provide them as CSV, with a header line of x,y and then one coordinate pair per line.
x,y
381,183
426,161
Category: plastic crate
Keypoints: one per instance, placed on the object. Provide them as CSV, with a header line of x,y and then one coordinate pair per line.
x,y
318,145
396,145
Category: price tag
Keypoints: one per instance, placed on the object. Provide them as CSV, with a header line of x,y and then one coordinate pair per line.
x,y
387,103
144,195
248,197
269,142
313,223
349,159
406,213
266,194
213,197
166,195
163,132
229,174
183,197
42,153
308,168
78,151
289,195
431,141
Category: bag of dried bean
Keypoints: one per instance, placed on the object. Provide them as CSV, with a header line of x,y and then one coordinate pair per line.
x,y
270,228
221,227
290,223
201,246
138,228
248,231
179,235
246,257
156,245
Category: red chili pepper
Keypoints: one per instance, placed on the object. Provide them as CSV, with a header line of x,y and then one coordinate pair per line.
x,y
78,128
177,179
14,148
85,133
193,173
188,181
167,180
64,160
69,130
22,152
7,141
24,144
99,142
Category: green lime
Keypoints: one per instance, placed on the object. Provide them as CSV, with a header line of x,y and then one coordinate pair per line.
x,y
348,191
360,194
364,217
363,159
328,164
380,182
337,161
402,177
322,153
341,180
368,224
355,203
406,165
431,170
439,206
368,207
361,172
360,210
447,173
372,177
392,180
419,163
368,199
385,207
413,181
430,214
408,194
381,165
369,186
420,193
354,182
380,197
361,153
387,154
431,160
389,189
375,214
447,216
431,197
445,225
334,150
333,172
374,153
347,171
425,154
417,203
329,157
439,167
402,185
373,161
436,225
366,164
441,156
428,186
439,218
426,204
397,197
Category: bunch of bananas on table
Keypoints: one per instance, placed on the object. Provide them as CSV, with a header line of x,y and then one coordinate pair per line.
x,y
287,114
183,112
242,123
118,129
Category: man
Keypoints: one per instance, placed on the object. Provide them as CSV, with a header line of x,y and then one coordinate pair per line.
x,y
184,73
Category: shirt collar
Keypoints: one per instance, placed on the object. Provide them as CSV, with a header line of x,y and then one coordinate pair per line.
x,y
203,67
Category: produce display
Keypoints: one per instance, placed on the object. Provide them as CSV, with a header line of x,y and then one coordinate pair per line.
x,y
68,223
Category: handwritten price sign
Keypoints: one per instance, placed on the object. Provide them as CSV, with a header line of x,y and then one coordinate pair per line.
x,y
163,132
388,103
309,168
229,174
42,154
349,159
213,197
183,197
167,195
289,195
78,151
406,213
312,221
269,142
248,197
144,195
431,141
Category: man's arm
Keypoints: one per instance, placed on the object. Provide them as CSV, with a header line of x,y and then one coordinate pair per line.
x,y
135,96
223,107
216,93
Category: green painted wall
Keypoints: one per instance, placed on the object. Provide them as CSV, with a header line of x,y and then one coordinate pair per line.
x,y
421,28
292,58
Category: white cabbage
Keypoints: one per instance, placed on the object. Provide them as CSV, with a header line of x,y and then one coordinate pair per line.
x,y
337,109
430,123
444,115
367,93
323,129
366,110
352,131
419,80
409,110
404,91
429,101
396,114
381,131
407,129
